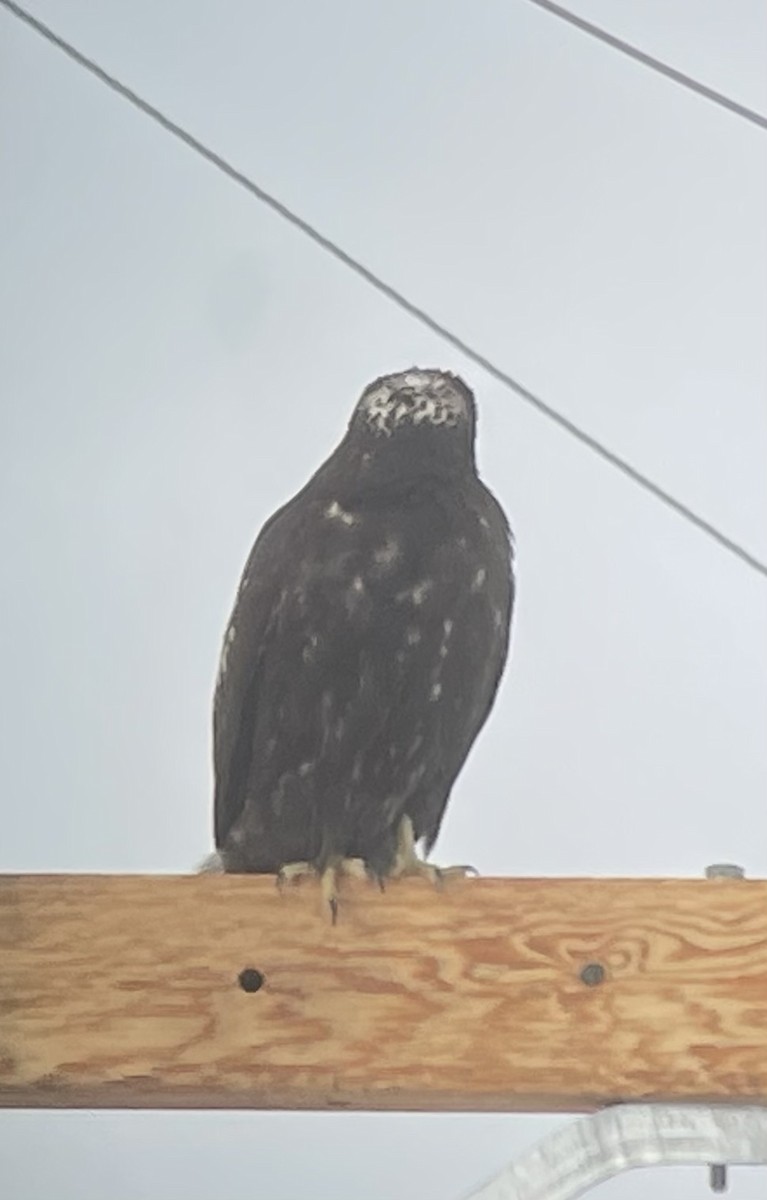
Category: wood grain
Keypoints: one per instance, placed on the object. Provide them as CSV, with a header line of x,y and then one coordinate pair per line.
x,y
124,991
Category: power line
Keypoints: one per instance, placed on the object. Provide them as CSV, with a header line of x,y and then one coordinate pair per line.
x,y
740,110
387,290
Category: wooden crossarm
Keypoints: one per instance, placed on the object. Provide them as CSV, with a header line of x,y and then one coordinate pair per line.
x,y
535,995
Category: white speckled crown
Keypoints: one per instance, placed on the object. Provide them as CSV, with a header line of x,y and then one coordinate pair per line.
x,y
414,397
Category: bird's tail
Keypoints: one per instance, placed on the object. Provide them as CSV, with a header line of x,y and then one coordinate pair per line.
x,y
211,865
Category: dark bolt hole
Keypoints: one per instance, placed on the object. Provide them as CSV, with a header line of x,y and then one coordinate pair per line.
x,y
592,974
250,979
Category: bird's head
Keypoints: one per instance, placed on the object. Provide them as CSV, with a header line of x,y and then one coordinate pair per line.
x,y
416,398
418,416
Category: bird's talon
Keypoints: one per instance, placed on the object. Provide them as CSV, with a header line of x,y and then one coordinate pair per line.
x,y
293,872
408,864
460,871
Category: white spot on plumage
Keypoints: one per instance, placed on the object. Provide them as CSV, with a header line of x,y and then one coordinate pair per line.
x,y
436,691
484,522
334,512
355,593
387,554
416,595
305,768
497,618
421,591
308,653
413,636
447,626
479,579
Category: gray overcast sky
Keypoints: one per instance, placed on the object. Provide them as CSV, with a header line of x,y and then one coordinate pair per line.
x,y
175,361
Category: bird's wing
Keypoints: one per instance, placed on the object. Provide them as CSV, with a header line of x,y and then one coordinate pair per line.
x,y
473,670
246,638
300,557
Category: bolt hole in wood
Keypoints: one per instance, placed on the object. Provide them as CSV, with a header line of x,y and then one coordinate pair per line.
x,y
250,980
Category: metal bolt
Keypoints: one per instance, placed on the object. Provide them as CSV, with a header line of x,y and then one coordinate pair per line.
x,y
725,871
250,980
592,974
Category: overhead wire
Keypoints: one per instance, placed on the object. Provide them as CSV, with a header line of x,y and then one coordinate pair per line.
x,y
398,298
655,64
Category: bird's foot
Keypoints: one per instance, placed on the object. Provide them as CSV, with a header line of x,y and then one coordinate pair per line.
x,y
408,864
329,877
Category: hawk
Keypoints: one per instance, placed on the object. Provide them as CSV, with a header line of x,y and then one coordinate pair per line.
x,y
365,647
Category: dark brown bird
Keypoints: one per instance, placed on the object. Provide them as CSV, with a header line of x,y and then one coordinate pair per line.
x,y
366,645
